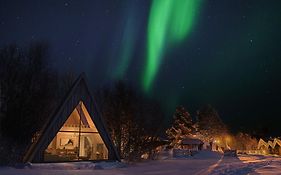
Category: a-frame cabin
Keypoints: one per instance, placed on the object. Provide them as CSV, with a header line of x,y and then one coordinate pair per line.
x,y
74,132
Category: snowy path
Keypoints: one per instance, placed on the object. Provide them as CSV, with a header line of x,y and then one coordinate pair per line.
x,y
203,164
179,167
248,164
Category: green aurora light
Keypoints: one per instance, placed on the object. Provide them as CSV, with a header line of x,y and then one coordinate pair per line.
x,y
128,46
170,21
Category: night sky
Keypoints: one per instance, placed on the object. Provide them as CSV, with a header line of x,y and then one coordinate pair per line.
x,y
189,52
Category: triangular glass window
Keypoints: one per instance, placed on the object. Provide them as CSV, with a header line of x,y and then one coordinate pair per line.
x,y
78,139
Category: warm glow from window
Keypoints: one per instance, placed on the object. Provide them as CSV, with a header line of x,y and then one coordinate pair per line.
x,y
78,139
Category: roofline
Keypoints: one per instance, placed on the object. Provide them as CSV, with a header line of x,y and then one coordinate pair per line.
x,y
62,102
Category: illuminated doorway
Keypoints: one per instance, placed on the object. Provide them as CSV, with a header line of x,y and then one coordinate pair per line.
x,y
77,139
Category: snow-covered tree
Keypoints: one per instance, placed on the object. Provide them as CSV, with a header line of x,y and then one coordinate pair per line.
x,y
182,126
210,125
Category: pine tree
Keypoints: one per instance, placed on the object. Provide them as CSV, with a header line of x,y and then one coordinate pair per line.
x,y
182,120
210,124
181,127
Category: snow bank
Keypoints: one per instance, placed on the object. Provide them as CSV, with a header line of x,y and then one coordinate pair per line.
x,y
207,154
77,165
180,153
185,154
203,163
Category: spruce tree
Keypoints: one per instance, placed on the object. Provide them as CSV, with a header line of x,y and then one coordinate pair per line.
x,y
210,123
182,126
182,120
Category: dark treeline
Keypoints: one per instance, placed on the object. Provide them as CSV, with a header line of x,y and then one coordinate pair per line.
x,y
28,94
30,90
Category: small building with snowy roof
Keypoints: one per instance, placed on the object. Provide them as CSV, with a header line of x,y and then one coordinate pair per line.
x,y
191,144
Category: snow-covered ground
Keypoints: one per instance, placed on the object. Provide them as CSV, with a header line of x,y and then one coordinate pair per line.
x,y
203,163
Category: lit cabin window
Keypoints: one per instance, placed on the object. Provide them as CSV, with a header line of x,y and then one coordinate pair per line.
x,y
78,139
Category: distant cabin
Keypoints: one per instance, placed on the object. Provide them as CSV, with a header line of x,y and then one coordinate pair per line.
x,y
74,132
191,144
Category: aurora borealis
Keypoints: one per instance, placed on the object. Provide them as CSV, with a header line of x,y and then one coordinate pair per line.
x,y
169,23
127,45
178,52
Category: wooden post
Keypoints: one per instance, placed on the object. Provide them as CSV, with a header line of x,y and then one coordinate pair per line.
x,y
79,133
